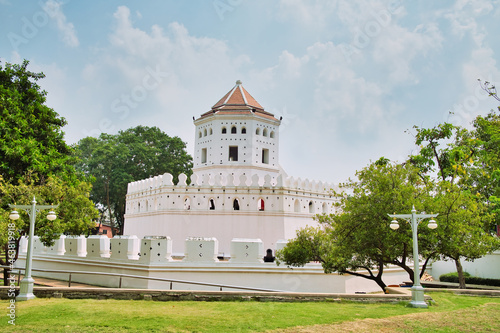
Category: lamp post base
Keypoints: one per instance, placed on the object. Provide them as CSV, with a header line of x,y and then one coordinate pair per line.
x,y
26,289
417,297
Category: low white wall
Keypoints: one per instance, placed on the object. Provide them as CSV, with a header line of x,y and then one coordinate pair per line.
x,y
485,267
310,278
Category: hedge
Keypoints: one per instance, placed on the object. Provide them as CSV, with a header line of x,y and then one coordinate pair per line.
x,y
453,277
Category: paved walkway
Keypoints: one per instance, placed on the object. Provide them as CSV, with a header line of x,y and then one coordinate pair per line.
x,y
44,282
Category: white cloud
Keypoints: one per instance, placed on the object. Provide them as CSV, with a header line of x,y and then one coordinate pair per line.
x,y
66,29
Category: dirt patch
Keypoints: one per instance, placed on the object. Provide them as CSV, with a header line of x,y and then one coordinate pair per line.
x,y
480,319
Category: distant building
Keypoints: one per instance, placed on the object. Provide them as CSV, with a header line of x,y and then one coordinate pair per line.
x,y
238,188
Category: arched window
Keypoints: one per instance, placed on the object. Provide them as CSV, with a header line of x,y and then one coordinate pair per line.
x,y
236,204
311,207
224,131
257,131
260,204
296,206
264,132
187,204
243,130
199,134
211,204
324,208
211,132
138,207
205,132
233,130
271,135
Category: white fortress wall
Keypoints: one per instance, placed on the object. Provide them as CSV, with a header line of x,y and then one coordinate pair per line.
x,y
267,208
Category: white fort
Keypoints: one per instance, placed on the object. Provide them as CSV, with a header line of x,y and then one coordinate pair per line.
x,y
238,188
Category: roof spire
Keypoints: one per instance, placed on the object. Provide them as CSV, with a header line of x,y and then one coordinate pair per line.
x,y
238,82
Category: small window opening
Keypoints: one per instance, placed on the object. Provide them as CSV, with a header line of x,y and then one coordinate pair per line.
x,y
325,208
260,204
233,130
265,156
296,206
311,207
271,135
257,131
233,153
199,134
236,204
187,204
224,131
205,132
264,132
204,155
243,130
211,132
212,204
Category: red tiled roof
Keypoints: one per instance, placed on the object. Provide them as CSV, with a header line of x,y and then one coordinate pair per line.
x,y
236,102
238,96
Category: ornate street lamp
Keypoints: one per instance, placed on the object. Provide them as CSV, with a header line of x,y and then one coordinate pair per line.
x,y
417,291
26,284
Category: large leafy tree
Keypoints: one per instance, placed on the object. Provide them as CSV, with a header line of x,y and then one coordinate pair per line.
x,y
464,166
31,139
36,161
357,238
113,161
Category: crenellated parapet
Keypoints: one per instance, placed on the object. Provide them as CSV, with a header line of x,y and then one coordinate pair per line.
x,y
226,192
229,180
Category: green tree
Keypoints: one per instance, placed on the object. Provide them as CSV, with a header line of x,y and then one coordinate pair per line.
x,y
459,163
31,139
113,161
76,213
358,236
36,161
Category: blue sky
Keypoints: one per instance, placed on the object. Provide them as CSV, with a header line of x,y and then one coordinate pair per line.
x,y
348,77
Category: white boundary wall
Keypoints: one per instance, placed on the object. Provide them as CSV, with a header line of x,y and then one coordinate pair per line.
x,y
485,267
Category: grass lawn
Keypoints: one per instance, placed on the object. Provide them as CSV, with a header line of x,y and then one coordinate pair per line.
x,y
450,313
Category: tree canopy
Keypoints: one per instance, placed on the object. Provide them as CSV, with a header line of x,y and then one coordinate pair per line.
x,y
35,161
31,139
113,161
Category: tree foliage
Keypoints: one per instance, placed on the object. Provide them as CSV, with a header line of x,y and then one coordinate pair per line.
x,y
357,238
36,161
113,161
31,139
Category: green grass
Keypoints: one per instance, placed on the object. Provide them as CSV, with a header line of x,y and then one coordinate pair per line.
x,y
450,313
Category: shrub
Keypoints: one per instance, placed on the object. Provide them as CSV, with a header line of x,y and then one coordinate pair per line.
x,y
453,277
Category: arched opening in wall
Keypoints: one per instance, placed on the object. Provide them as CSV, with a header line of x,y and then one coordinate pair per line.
x,y
236,204
324,208
264,132
205,132
224,131
187,203
146,208
257,131
211,204
211,131
260,204
199,134
233,130
138,207
271,135
296,206
243,130
311,207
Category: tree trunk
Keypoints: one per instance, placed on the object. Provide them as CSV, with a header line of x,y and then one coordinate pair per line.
x,y
460,271
108,203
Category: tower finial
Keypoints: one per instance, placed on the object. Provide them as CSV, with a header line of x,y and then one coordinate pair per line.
x,y
238,82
